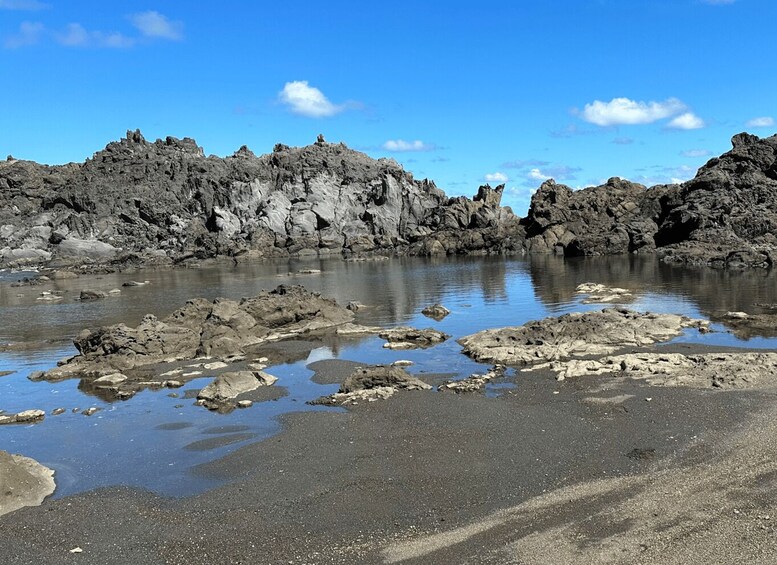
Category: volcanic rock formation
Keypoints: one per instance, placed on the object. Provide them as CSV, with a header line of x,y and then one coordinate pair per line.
x,y
167,201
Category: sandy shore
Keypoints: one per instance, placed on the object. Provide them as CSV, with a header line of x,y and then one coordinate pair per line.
x,y
590,470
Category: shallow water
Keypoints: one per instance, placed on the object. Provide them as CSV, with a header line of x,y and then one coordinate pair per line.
x,y
155,440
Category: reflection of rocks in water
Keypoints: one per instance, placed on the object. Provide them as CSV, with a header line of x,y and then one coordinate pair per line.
x,y
713,291
556,279
745,326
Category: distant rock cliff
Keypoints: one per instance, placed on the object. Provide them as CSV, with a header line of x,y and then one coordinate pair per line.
x,y
167,201
724,217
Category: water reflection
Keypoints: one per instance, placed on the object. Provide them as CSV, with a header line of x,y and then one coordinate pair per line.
x,y
711,291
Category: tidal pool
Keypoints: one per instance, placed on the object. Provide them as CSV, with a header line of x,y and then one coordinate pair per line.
x,y
155,439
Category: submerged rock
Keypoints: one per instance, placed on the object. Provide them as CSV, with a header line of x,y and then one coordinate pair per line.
x,y
602,294
575,335
404,337
25,482
24,417
435,311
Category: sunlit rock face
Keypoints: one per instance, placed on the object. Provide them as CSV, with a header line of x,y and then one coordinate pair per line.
x,y
163,201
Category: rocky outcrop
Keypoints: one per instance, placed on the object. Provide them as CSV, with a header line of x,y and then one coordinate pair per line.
x,y
376,382
704,370
222,328
575,335
166,201
476,382
404,337
726,216
616,217
228,386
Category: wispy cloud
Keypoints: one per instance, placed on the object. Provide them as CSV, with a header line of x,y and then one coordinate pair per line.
x,y
154,25
623,141
523,163
306,100
686,120
402,146
666,175
695,153
28,5
624,111
570,130
761,122
151,25
496,177
29,33
75,35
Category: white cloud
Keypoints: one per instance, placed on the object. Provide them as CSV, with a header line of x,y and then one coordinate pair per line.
x,y
400,145
22,5
687,120
29,34
75,35
623,111
155,25
496,177
538,175
761,122
306,100
695,153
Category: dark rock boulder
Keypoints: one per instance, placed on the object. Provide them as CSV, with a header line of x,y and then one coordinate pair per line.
x,y
617,217
726,215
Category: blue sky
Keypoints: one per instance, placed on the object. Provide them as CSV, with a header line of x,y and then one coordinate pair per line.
x,y
459,92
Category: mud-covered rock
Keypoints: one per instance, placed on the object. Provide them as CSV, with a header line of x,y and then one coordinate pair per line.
x,y
704,370
25,482
376,382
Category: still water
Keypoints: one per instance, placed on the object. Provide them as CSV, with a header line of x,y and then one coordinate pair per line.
x,y
155,440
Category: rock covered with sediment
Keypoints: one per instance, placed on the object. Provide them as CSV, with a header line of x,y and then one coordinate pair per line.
x,y
23,482
228,386
221,328
726,216
729,370
577,334
375,382
166,201
476,382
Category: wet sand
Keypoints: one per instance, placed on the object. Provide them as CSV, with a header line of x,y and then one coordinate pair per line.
x,y
596,473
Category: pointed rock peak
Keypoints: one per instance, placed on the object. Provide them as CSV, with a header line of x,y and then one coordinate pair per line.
x,y
320,139
744,139
135,136
244,151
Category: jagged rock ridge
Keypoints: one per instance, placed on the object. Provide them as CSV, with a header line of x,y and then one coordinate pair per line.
x,y
166,199
724,217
